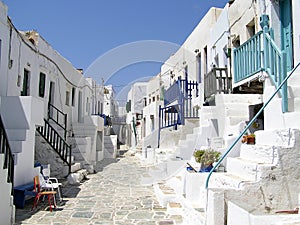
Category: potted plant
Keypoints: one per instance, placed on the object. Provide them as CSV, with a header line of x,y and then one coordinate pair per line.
x,y
249,139
206,158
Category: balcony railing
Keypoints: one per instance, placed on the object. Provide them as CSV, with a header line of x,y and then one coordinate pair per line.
x,y
217,81
260,53
248,58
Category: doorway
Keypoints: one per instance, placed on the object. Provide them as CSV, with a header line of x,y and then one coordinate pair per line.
x,y
287,31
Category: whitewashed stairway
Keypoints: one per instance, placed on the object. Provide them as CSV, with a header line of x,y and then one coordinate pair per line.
x,y
262,181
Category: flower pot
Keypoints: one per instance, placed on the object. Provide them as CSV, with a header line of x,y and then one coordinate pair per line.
x,y
249,139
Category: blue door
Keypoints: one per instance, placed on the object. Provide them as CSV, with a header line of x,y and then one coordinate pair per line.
x,y
287,31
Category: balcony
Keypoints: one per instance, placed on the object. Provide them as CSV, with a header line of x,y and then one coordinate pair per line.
x,y
217,81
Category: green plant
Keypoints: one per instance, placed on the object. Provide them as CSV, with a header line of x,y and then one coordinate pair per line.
x,y
198,155
207,157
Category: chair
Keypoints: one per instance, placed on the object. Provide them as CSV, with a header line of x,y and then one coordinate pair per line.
x,y
49,194
50,183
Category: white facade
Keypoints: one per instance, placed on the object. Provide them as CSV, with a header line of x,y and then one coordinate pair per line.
x,y
135,103
32,75
110,104
151,110
194,56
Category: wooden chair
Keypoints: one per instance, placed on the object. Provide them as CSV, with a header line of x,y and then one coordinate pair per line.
x,y
49,194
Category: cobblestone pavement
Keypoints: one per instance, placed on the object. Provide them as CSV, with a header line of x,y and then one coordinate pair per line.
x,y
113,195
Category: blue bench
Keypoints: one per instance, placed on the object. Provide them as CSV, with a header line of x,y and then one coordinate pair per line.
x,y
20,193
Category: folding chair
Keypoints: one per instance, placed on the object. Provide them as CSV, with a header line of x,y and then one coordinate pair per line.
x,y
50,183
49,194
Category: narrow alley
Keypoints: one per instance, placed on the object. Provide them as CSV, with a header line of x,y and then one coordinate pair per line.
x,y
113,195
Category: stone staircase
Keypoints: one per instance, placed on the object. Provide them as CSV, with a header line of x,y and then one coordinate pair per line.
x,y
263,180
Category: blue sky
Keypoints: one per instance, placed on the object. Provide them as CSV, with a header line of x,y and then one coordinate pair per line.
x,y
82,31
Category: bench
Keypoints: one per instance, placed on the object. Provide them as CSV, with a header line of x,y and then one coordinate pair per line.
x,y
20,193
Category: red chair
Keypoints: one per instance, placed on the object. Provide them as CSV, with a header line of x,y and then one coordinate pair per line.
x,y
50,194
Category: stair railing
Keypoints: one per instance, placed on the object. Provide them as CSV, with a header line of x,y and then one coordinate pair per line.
x,y
59,117
275,66
249,124
8,156
57,142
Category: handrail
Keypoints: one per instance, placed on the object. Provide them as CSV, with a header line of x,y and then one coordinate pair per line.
x,y
57,118
249,124
57,142
275,66
8,156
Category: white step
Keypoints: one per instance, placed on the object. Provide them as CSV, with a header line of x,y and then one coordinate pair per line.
x,y
234,120
259,153
294,79
294,104
283,137
250,99
247,170
237,109
293,91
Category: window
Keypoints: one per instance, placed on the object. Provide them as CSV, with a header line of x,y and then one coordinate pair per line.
x,y
87,108
42,83
67,98
186,72
26,83
198,67
236,42
73,96
250,29
205,60
153,99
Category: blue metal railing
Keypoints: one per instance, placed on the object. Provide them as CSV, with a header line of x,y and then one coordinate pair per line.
x,y
249,124
248,58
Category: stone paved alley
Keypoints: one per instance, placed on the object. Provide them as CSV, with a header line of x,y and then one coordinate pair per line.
x,y
113,195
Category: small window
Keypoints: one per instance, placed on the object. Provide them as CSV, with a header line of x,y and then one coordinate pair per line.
x,y
153,99
87,105
42,83
157,97
26,83
67,98
236,42
73,96
149,100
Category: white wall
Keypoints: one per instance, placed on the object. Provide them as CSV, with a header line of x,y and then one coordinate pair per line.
x,y
4,45
39,57
296,30
186,56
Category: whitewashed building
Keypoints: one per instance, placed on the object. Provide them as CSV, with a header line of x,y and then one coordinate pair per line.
x,y
46,107
136,100
250,48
